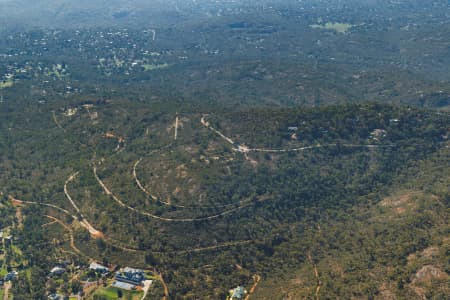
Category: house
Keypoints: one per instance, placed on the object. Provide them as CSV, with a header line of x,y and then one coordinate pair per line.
x,y
98,268
10,276
377,134
130,275
55,297
238,293
292,128
56,271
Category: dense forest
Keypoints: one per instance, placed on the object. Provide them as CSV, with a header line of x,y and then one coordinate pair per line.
x,y
296,149
292,199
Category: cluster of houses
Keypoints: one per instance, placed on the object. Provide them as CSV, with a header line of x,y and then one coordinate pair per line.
x,y
126,278
129,278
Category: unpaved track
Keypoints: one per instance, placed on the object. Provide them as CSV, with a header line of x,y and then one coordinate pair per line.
x,y
94,232
43,204
166,288
144,213
7,287
316,275
56,120
71,177
176,129
120,246
244,149
206,124
147,192
257,279
72,239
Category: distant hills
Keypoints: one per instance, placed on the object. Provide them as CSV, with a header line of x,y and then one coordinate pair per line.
x,y
22,14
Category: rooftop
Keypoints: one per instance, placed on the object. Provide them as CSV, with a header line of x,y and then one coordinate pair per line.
x,y
123,285
96,266
238,293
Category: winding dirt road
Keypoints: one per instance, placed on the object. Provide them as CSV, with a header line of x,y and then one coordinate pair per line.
x,y
94,232
144,213
7,287
56,120
316,275
72,239
257,279
147,192
245,149
166,288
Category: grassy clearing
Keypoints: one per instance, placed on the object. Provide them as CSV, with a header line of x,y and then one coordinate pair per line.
x,y
338,27
3,271
111,293
149,67
6,84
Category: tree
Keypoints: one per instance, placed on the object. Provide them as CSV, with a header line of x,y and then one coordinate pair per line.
x,y
51,286
75,286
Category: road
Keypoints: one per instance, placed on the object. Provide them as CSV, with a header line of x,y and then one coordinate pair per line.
x,y
257,279
19,202
176,128
166,288
144,213
56,120
7,287
147,285
72,239
206,124
94,232
316,275
147,192
245,149
71,177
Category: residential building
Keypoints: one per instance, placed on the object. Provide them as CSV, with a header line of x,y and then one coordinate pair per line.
x,y
98,268
130,275
238,293
56,271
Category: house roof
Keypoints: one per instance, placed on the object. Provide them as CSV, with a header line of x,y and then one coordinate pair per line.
x,y
57,270
96,266
123,285
238,293
131,270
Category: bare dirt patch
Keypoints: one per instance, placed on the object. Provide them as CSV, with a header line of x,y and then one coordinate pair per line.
x,y
386,293
182,171
428,273
401,203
